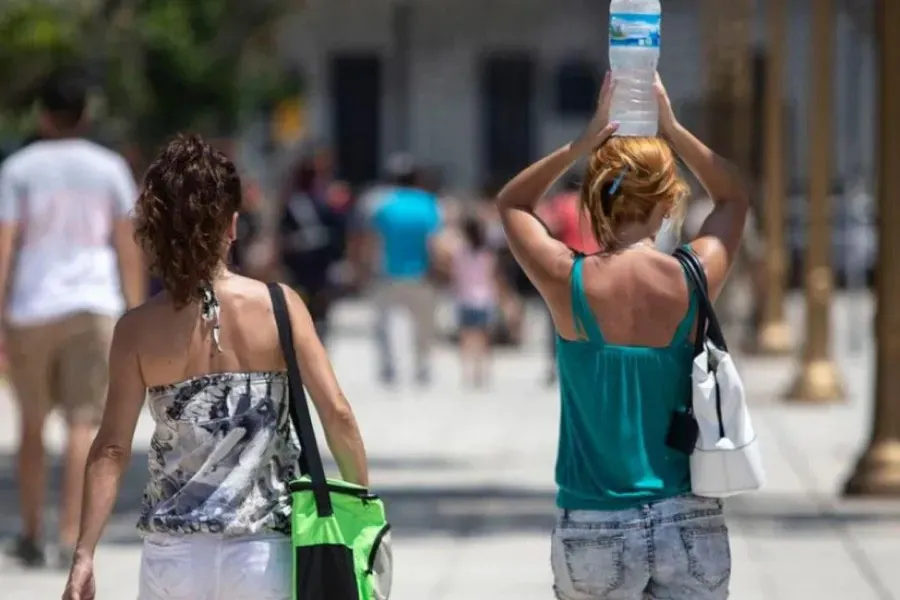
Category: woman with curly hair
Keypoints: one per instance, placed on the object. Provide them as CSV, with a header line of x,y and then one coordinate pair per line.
x,y
205,353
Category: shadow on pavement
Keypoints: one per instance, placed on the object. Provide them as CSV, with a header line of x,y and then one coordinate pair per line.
x,y
790,513
448,511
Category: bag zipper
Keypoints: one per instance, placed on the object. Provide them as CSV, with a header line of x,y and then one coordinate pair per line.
x,y
362,493
719,407
376,545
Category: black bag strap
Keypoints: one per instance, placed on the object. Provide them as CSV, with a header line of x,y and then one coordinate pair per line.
x,y
298,407
707,323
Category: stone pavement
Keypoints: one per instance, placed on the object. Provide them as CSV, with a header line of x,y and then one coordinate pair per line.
x,y
468,480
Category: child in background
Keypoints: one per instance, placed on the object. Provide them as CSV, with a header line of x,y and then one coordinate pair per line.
x,y
475,285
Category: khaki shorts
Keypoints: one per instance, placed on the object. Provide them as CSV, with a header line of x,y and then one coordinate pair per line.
x,y
63,364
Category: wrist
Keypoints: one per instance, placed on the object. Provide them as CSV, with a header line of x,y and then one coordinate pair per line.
x,y
83,553
672,131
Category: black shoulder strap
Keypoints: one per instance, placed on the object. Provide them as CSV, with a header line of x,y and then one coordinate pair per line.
x,y
299,409
707,322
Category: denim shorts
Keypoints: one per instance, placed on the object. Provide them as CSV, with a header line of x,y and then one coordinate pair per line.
x,y
205,567
473,317
675,549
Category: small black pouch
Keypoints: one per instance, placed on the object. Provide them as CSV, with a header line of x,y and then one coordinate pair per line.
x,y
683,432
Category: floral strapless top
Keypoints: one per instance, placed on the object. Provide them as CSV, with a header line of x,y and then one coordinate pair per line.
x,y
221,456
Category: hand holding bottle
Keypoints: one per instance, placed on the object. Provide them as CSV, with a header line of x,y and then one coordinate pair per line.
x,y
600,128
667,121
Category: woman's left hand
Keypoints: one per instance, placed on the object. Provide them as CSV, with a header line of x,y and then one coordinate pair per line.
x,y
599,129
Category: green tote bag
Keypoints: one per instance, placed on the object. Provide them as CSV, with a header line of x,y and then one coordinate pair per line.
x,y
341,537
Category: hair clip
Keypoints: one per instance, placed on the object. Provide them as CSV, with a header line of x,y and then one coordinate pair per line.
x,y
617,182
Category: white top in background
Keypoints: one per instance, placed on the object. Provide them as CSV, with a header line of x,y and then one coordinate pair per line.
x,y
65,196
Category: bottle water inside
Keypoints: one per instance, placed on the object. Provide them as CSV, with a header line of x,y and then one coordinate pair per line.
x,y
634,32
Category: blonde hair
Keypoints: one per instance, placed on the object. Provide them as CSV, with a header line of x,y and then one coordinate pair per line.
x,y
626,179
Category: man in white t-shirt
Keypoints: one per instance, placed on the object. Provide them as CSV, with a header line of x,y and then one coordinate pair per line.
x,y
68,268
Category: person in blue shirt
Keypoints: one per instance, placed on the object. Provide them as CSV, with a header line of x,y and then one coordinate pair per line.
x,y
402,221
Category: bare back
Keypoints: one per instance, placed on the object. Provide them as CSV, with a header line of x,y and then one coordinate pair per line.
x,y
175,345
639,297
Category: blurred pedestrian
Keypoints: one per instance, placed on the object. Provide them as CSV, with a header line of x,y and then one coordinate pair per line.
x,y
311,234
625,319
206,358
475,290
511,304
70,263
400,228
251,253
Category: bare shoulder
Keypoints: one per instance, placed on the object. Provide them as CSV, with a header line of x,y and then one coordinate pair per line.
x,y
716,260
661,274
132,327
251,299
244,296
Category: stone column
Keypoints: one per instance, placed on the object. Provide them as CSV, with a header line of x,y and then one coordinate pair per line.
x,y
878,471
818,379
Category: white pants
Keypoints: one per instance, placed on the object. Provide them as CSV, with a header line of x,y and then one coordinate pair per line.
x,y
204,567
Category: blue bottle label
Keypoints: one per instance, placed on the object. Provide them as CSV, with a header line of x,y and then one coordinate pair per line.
x,y
628,29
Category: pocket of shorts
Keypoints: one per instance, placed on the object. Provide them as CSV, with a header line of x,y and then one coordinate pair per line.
x,y
708,552
260,569
594,564
166,570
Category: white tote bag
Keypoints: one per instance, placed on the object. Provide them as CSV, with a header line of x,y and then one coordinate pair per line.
x,y
726,460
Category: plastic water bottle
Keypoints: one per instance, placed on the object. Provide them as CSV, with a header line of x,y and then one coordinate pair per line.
x,y
634,32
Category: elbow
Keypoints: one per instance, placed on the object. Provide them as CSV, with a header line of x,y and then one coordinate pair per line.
x,y
340,418
113,452
740,190
503,199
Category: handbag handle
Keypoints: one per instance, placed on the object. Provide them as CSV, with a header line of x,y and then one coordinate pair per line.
x,y
707,323
297,405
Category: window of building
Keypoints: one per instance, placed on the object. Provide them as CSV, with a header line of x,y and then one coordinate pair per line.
x,y
576,87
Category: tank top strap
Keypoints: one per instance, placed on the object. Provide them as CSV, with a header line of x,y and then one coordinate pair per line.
x,y
684,328
582,315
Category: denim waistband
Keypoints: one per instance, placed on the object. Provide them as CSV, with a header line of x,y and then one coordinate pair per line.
x,y
671,510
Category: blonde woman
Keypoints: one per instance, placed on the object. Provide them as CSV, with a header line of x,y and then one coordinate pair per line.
x,y
628,527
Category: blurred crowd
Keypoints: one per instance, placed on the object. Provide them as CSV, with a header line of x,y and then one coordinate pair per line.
x,y
405,243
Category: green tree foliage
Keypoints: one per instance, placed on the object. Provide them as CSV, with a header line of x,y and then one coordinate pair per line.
x,y
34,36
161,65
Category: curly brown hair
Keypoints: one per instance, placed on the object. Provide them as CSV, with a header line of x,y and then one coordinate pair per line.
x,y
188,200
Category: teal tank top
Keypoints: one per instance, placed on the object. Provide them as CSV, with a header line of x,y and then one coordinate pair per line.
x,y
617,403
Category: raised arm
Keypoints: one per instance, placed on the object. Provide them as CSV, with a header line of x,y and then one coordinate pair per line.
x,y
720,236
338,421
546,260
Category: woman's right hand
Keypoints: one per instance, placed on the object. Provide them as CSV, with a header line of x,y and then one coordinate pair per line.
x,y
80,585
667,120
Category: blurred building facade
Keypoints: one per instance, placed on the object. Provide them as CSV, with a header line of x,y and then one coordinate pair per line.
x,y
480,87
